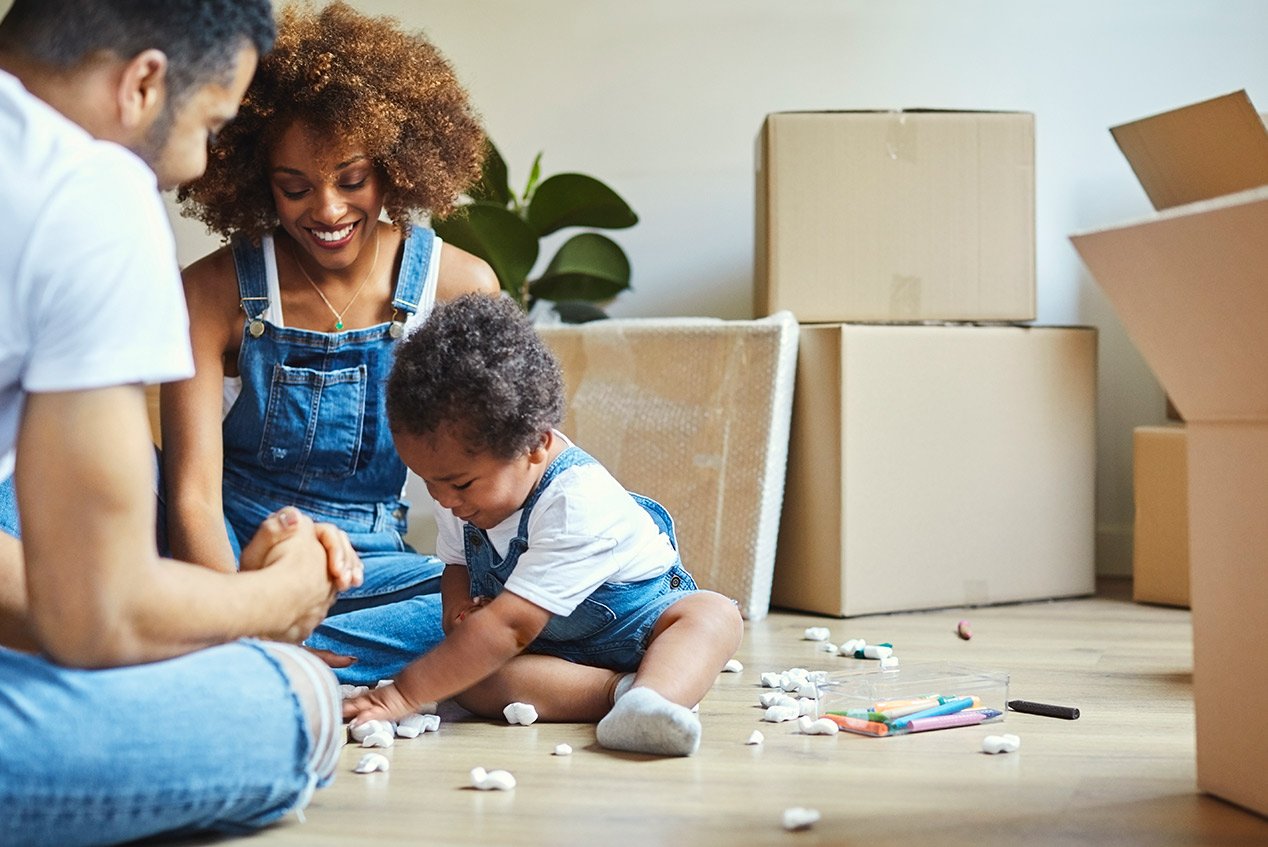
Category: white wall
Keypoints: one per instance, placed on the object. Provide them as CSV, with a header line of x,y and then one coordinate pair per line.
x,y
663,98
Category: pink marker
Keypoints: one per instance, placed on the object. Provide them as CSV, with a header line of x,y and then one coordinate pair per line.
x,y
965,718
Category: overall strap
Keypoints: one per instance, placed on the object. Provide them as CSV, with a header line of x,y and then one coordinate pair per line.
x,y
248,261
571,457
410,282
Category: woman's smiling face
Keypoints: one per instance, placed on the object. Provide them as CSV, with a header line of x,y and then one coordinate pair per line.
x,y
328,195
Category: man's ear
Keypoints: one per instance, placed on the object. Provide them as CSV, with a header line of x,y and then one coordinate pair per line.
x,y
142,89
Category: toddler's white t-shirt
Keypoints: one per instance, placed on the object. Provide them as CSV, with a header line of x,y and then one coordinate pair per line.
x,y
584,530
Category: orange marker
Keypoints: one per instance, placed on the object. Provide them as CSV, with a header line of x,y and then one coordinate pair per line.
x,y
859,725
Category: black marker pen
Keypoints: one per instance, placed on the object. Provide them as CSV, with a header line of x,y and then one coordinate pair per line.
x,y
1068,713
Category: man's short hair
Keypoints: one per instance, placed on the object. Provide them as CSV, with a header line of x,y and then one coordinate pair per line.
x,y
200,37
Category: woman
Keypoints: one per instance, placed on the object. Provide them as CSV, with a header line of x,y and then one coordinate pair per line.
x,y
293,324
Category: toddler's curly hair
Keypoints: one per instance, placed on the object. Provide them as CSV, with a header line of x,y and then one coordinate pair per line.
x,y
349,76
477,365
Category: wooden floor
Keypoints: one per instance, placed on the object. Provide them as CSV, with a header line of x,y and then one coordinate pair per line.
x,y
1122,774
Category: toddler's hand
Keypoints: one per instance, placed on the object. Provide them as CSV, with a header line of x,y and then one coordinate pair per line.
x,y
381,704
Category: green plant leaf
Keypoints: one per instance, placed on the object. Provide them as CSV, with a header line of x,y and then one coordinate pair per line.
x,y
498,236
577,312
577,200
493,185
534,174
588,267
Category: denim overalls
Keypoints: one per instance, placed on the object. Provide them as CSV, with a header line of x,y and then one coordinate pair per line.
x,y
611,627
310,429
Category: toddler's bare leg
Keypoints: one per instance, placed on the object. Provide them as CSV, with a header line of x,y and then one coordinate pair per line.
x,y
692,640
560,690
690,644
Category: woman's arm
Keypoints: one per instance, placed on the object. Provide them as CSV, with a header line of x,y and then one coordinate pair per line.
x,y
190,412
464,273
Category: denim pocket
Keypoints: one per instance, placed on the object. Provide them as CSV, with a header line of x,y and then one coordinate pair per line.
x,y
313,422
585,620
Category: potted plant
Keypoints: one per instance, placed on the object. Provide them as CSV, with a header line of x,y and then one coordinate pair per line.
x,y
506,229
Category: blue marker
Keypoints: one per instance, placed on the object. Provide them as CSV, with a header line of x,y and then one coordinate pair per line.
x,y
950,707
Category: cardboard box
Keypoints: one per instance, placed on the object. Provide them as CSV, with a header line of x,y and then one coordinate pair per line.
x,y
935,466
896,216
693,412
1190,285
1160,541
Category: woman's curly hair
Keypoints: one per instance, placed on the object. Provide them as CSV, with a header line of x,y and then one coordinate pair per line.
x,y
477,365
347,75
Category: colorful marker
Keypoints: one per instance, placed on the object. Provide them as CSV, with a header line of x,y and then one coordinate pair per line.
x,y
858,725
947,708
965,718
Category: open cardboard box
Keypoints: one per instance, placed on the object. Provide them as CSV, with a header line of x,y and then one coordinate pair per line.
x,y
1191,286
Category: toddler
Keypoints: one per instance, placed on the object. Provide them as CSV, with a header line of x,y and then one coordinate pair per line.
x,y
560,589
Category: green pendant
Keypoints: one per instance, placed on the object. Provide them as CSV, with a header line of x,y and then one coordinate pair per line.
x,y
338,325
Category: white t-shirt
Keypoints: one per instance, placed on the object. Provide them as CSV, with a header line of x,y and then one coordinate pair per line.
x,y
90,290
584,530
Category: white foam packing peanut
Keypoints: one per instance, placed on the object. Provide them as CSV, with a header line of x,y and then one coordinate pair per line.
x,y
381,738
732,666
347,692
563,749
367,728
799,817
372,762
492,780
822,726
413,726
1001,744
828,647
776,698
520,713
849,648
770,679
816,633
779,714
755,738
807,706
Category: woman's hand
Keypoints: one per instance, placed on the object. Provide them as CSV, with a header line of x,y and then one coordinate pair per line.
x,y
342,562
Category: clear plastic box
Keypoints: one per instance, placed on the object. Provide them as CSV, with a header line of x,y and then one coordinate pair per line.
x,y
913,698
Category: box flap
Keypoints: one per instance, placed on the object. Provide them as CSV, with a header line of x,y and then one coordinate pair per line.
x,y
1191,287
1197,152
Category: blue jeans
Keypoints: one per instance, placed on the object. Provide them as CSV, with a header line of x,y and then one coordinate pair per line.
x,y
215,740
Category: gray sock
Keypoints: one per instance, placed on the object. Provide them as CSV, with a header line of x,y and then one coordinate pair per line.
x,y
642,721
624,684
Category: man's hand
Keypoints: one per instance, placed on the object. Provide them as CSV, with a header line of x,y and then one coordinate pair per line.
x,y
289,540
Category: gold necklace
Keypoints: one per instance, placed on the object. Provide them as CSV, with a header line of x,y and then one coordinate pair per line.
x,y
337,313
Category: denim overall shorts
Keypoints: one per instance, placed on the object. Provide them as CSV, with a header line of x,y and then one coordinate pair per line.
x,y
310,429
611,627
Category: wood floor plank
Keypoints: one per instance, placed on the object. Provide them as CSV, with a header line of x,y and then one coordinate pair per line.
x,y
1123,773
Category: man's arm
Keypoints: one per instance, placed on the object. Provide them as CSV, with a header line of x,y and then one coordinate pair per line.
x,y
14,632
98,593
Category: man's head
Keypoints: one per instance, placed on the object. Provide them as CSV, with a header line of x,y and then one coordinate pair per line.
x,y
158,76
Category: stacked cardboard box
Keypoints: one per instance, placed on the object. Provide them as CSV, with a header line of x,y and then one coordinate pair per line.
x,y
1160,539
933,461
1191,286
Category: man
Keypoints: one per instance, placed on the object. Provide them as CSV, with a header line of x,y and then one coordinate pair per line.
x,y
128,707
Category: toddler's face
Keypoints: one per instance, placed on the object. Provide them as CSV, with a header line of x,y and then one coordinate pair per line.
x,y
479,488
